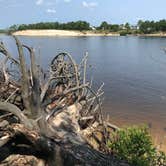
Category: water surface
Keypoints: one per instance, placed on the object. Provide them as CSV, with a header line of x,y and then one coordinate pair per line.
x,y
132,68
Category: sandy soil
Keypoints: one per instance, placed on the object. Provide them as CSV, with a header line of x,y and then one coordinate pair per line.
x,y
154,35
157,133
59,33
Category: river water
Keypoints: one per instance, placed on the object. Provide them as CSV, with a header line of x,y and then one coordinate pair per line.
x,y
132,68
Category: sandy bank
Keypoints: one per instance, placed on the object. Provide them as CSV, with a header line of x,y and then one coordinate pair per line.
x,y
59,33
153,35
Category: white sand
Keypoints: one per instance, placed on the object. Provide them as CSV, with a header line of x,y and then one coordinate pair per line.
x,y
59,33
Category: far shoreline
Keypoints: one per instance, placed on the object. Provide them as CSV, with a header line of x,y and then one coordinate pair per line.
x,y
72,33
61,33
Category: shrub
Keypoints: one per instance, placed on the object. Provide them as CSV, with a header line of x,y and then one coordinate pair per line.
x,y
134,144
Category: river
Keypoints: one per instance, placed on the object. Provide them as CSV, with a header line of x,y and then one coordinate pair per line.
x,y
132,68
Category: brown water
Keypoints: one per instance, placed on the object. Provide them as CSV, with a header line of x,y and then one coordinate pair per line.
x,y
132,68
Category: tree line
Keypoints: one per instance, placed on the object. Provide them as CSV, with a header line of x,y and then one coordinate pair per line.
x,y
152,26
141,27
78,25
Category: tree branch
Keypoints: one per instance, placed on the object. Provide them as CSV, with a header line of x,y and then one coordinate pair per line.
x,y
25,80
35,100
8,107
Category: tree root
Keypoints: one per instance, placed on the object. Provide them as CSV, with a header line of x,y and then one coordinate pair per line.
x,y
55,113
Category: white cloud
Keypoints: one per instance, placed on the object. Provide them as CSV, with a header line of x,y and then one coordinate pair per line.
x,y
51,11
67,1
89,5
39,2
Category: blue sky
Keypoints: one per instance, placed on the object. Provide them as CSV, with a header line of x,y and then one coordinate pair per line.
x,y
93,11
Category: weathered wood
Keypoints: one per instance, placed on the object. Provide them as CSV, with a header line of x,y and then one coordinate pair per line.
x,y
24,76
35,99
4,51
69,153
54,120
22,160
8,107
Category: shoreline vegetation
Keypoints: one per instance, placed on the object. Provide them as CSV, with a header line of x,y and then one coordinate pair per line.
x,y
83,28
72,33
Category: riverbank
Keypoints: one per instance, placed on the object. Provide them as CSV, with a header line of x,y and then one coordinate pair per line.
x,y
78,33
153,35
156,131
61,33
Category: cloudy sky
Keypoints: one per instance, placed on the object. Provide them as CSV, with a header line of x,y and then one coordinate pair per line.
x,y
93,11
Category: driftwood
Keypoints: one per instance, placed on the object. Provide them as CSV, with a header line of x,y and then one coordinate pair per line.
x,y
47,117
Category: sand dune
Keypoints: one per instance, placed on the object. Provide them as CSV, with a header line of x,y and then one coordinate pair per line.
x,y
59,33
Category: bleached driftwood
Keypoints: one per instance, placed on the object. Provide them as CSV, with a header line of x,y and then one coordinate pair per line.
x,y
49,115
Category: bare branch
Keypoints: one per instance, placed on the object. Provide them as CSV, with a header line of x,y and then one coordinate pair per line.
x,y
35,86
4,51
6,115
24,76
4,70
8,107
11,95
112,126
64,94
4,140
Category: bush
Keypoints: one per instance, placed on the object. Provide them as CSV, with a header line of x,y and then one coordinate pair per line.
x,y
135,145
123,33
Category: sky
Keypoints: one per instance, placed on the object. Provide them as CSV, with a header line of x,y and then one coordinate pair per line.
x,y
93,11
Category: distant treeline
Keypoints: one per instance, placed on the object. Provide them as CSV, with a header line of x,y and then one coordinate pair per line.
x,y
152,26
141,27
78,25
3,31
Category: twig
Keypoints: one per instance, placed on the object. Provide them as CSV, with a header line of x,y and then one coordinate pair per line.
x,y
87,118
8,107
64,94
11,95
114,127
6,115
4,51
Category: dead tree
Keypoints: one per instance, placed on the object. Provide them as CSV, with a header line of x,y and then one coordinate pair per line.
x,y
49,115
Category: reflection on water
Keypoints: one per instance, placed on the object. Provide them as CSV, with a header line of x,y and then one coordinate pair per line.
x,y
132,68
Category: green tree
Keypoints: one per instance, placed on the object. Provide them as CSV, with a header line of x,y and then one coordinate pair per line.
x,y
104,26
139,23
127,26
13,28
78,25
114,27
